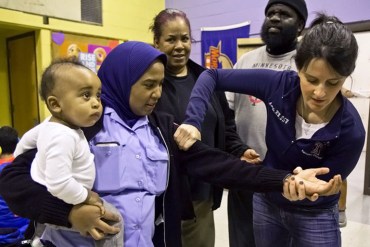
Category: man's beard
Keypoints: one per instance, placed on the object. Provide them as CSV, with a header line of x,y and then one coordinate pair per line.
x,y
281,40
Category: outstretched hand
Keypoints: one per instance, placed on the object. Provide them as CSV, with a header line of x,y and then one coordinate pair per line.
x,y
88,220
251,156
186,135
315,185
305,184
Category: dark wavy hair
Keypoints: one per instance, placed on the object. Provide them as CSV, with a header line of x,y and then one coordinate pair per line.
x,y
328,38
163,17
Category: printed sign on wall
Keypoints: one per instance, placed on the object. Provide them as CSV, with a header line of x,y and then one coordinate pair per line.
x,y
219,45
90,50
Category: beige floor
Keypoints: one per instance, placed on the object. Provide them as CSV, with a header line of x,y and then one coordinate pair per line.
x,y
355,234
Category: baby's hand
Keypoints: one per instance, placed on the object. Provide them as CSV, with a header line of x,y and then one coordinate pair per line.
x,y
94,199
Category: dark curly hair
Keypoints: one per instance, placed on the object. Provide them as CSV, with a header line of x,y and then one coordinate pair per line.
x,y
8,139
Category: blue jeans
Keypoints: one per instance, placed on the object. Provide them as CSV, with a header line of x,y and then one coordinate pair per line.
x,y
278,227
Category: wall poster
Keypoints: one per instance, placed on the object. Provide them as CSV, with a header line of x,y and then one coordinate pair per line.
x,y
219,45
90,50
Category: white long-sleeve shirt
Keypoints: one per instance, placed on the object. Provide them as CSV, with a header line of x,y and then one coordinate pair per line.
x,y
29,139
63,163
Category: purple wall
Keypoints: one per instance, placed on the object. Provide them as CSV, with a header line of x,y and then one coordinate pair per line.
x,y
214,13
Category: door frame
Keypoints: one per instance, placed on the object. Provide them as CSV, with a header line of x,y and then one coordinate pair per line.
x,y
35,118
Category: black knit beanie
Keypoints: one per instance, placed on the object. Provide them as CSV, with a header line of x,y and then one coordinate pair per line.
x,y
298,5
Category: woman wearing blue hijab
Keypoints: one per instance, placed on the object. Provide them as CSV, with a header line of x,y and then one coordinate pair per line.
x,y
139,168
132,59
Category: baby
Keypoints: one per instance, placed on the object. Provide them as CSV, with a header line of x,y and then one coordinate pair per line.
x,y
64,163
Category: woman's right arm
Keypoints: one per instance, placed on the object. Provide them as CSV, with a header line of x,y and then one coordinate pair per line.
x,y
31,200
219,168
256,82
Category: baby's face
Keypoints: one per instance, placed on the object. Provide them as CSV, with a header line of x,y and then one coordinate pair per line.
x,y
78,93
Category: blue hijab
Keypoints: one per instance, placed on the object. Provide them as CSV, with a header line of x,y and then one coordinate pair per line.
x,y
121,69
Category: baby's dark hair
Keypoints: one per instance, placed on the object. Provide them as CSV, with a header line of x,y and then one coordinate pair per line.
x,y
50,74
164,16
8,139
328,38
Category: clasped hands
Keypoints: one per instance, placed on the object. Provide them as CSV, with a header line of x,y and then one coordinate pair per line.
x,y
90,217
304,184
300,185
89,221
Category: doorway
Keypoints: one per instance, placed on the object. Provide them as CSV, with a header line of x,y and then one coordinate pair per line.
x,y
23,82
